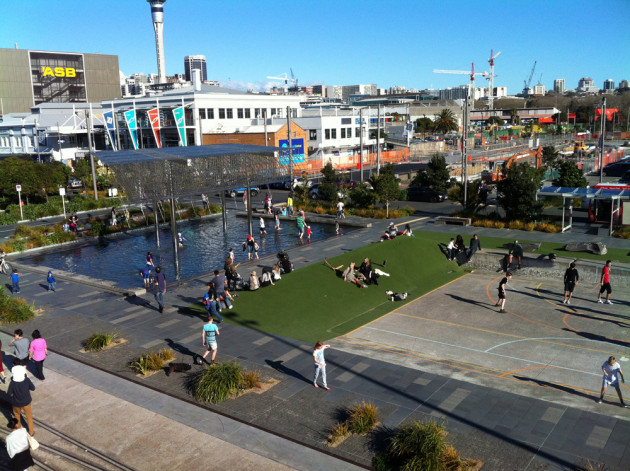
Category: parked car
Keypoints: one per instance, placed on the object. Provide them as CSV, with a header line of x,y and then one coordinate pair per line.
x,y
299,182
424,193
625,178
314,193
617,169
75,183
254,190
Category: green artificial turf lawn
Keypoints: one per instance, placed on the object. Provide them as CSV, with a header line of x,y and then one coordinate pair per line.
x,y
312,303
496,243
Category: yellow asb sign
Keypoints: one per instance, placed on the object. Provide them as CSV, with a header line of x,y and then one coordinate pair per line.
x,y
59,72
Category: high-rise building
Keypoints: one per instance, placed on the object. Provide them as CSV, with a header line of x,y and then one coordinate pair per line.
x,y
558,86
609,86
157,15
586,85
623,84
197,62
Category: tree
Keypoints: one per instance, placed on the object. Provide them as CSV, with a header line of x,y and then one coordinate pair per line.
x,y
386,186
495,120
517,192
424,125
515,119
51,176
436,175
551,157
569,175
445,121
472,194
18,171
327,189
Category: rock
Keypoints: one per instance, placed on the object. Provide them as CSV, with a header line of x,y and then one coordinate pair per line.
x,y
593,247
527,246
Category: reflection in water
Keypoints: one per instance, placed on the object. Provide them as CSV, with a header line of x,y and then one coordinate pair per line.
x,y
120,259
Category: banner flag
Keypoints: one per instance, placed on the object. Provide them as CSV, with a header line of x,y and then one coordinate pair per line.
x,y
179,120
111,128
154,119
130,117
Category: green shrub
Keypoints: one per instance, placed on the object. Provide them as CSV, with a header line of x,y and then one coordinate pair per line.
x,y
251,379
140,365
14,310
338,433
216,383
419,447
363,418
99,228
151,361
99,341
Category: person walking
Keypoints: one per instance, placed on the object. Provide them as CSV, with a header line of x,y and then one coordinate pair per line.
x,y
340,213
475,244
20,345
263,230
300,225
3,378
18,446
51,282
160,282
290,204
320,364
204,200
38,351
19,393
502,288
149,259
277,220
209,339
219,285
146,277
571,279
605,282
15,279
231,253
612,373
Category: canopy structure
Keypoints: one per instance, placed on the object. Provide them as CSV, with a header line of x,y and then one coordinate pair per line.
x,y
172,172
614,195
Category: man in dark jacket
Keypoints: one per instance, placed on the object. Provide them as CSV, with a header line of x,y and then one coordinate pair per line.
x,y
571,278
19,393
475,244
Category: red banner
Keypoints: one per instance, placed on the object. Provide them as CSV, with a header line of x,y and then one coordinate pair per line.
x,y
154,118
609,113
571,116
545,120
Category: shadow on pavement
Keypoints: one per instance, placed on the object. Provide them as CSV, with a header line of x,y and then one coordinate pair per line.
x,y
280,368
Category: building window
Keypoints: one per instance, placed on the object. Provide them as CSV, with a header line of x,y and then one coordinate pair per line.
x,y
248,113
312,134
327,134
343,133
357,132
230,113
210,112
221,113
333,133
202,113
349,132
239,113
257,113
346,120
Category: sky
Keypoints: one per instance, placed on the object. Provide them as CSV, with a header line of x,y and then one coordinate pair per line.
x,y
342,42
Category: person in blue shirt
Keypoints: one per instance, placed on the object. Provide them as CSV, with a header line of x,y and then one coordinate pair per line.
x,y
212,304
146,276
51,282
15,278
208,337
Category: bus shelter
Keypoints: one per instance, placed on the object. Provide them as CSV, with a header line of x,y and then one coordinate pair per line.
x,y
616,199
159,174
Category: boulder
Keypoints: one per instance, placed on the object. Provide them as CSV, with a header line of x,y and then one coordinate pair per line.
x,y
593,247
527,246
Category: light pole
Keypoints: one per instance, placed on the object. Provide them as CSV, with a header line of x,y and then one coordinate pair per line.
x,y
601,141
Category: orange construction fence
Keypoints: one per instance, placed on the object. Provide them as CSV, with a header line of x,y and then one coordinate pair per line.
x,y
352,162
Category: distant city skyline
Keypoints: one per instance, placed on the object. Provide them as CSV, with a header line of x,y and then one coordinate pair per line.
x,y
343,43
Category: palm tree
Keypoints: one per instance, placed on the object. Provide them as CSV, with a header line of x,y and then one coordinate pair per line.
x,y
445,121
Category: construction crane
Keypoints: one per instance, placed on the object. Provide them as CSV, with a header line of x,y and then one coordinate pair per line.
x,y
295,82
472,74
491,78
286,81
528,82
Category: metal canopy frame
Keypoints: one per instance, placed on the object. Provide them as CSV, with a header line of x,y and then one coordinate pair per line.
x,y
172,172
592,193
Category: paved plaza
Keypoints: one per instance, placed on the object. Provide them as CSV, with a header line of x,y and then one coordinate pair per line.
x,y
516,390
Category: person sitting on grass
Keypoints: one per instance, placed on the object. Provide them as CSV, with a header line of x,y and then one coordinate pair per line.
x,y
253,281
451,249
390,233
516,251
276,273
369,274
407,231
350,276
459,244
266,279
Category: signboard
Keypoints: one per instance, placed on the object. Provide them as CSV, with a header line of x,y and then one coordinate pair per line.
x,y
178,113
154,118
58,77
298,151
111,127
625,214
18,187
130,117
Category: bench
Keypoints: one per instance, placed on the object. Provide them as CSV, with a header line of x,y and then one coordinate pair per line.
x,y
452,220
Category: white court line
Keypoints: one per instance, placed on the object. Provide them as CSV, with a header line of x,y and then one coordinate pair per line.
x,y
488,353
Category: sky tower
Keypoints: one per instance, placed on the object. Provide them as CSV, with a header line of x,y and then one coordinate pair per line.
x,y
157,15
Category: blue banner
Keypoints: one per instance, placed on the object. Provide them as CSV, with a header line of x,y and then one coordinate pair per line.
x,y
130,117
111,128
298,151
179,120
